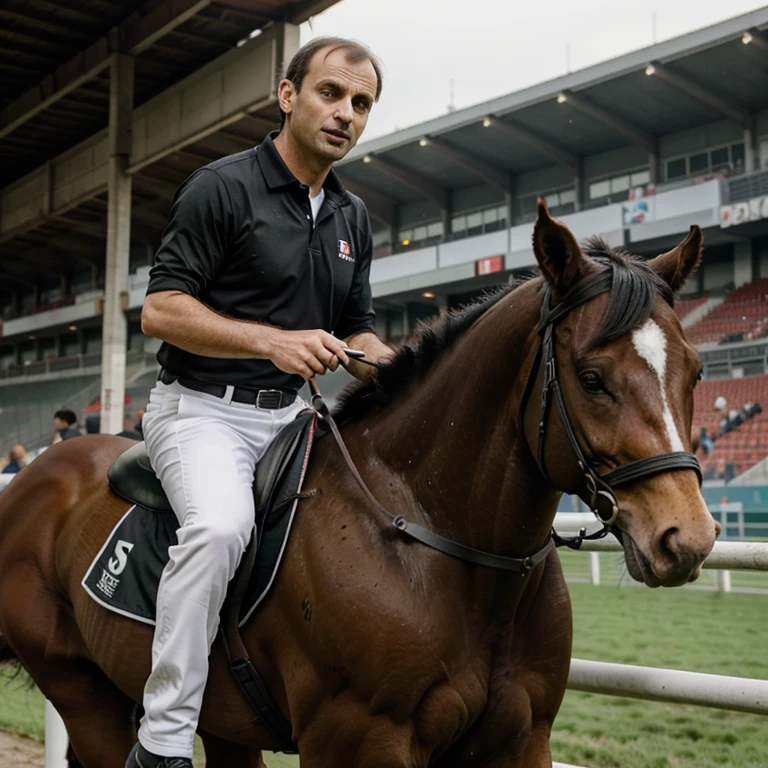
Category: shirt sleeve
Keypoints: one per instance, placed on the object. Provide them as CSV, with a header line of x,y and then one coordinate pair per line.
x,y
357,315
196,239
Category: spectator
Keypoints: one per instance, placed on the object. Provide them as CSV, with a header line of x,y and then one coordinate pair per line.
x,y
131,430
706,441
65,424
720,403
735,419
17,460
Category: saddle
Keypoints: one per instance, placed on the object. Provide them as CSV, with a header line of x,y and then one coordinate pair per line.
x,y
125,574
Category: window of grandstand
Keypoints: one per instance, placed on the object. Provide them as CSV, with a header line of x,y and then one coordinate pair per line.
x,y
615,189
424,234
478,222
560,201
725,158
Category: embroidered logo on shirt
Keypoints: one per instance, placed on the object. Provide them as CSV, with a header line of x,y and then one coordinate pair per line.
x,y
345,252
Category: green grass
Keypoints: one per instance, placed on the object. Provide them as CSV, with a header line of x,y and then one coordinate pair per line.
x,y
680,629
700,631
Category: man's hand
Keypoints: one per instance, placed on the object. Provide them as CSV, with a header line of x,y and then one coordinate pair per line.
x,y
307,353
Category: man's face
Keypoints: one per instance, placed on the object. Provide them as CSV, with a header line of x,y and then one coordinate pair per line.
x,y
59,424
18,452
328,116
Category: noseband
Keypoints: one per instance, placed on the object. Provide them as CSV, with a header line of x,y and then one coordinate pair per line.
x,y
598,489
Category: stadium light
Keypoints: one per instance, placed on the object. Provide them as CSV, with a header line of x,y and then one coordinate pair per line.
x,y
561,98
367,159
650,70
487,122
746,38
72,327
428,295
424,142
405,242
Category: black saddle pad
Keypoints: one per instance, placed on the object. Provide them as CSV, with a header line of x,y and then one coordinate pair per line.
x,y
125,574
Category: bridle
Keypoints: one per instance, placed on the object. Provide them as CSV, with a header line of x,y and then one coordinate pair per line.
x,y
598,489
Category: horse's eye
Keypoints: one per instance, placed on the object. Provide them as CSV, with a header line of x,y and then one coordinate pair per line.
x,y
591,382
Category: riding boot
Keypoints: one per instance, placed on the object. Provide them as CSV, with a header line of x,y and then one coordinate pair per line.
x,y
140,758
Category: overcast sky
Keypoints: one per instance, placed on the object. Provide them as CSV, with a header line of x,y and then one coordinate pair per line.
x,y
494,47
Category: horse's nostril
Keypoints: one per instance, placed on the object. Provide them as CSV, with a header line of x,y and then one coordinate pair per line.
x,y
668,543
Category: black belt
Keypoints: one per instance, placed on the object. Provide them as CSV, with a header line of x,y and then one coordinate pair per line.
x,y
271,399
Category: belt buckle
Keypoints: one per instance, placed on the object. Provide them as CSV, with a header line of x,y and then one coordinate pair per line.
x,y
269,398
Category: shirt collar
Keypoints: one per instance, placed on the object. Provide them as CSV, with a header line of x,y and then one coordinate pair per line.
x,y
277,174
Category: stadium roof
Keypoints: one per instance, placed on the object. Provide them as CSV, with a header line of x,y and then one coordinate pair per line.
x,y
54,60
716,73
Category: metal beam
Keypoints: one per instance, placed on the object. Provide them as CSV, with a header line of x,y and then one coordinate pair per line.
x,y
635,135
141,32
544,146
14,278
758,39
161,189
493,176
256,125
380,206
423,186
699,92
66,78
39,261
133,36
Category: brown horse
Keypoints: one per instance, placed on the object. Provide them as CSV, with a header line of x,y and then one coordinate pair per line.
x,y
380,651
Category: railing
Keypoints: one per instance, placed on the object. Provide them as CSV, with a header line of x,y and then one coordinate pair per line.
x,y
745,187
670,685
54,365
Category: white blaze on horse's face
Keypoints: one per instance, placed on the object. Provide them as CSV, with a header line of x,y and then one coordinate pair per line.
x,y
651,344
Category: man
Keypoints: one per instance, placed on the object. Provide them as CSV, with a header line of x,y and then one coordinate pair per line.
x,y
265,255
17,460
64,425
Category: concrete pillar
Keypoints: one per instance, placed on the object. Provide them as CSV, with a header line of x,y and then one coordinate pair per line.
x,y
580,188
446,216
751,160
65,282
509,202
115,324
654,168
742,263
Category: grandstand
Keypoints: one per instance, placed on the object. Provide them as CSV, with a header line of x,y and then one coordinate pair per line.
x,y
744,446
742,316
451,200
684,307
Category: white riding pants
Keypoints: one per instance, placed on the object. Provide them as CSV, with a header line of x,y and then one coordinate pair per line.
x,y
204,449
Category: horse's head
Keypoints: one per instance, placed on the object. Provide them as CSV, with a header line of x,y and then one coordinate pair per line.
x,y
626,373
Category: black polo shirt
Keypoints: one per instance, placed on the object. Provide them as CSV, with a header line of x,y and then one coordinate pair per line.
x,y
241,240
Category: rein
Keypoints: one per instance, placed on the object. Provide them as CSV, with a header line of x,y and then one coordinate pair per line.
x,y
598,492
417,532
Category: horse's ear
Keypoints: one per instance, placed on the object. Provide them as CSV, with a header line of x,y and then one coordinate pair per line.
x,y
560,258
677,265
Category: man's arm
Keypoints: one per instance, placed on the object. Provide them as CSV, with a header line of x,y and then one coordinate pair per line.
x,y
375,350
187,323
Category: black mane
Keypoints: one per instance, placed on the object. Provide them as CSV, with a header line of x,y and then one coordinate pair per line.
x,y
635,288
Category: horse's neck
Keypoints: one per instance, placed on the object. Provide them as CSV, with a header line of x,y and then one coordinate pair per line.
x,y
454,437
